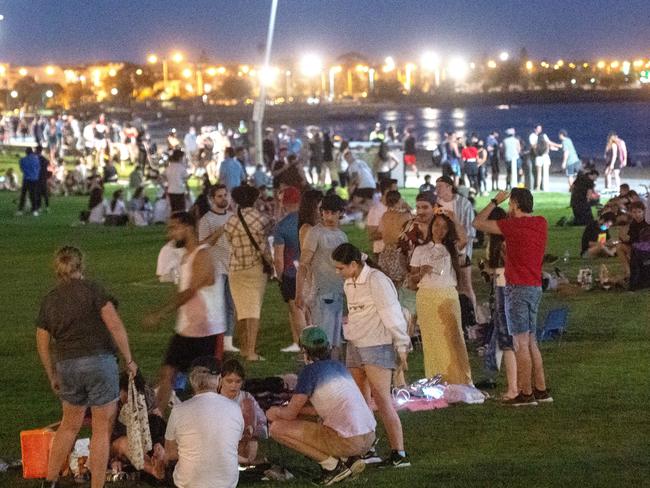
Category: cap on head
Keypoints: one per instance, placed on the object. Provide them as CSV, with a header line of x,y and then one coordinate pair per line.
x,y
313,338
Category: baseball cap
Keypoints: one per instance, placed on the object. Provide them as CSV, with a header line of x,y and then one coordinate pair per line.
x,y
290,195
208,363
313,337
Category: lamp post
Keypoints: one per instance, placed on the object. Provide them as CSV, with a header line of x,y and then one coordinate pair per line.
x,y
333,71
258,111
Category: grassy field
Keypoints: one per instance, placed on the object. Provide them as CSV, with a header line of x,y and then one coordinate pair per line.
x,y
594,434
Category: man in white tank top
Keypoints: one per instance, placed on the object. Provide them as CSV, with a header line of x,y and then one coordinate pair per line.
x,y
200,323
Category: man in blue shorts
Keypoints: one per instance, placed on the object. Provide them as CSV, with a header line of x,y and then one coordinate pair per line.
x,y
525,236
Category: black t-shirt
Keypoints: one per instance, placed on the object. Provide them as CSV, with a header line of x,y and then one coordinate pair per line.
x,y
634,232
581,187
591,233
71,313
409,145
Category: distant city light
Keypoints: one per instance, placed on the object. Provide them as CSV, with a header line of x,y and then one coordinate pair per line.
x,y
614,65
626,67
529,65
430,61
211,71
152,59
177,57
114,91
267,75
601,64
458,68
22,72
187,73
112,72
207,87
14,94
311,65
49,93
49,70
491,64
504,56
573,81
2,17
138,72
389,64
245,69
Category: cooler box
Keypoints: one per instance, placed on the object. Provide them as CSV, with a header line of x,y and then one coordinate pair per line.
x,y
35,449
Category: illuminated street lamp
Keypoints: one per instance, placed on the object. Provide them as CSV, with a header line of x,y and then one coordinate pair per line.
x,y
457,69
49,93
491,64
14,94
430,62
311,65
333,71
22,72
114,91
267,75
408,82
177,57
152,59
389,65
504,56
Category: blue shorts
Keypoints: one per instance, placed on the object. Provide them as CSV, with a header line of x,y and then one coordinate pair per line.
x,y
522,303
572,169
90,381
327,313
455,166
382,356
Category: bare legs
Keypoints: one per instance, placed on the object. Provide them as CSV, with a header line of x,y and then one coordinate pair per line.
x,y
379,380
529,362
102,424
165,384
296,321
248,330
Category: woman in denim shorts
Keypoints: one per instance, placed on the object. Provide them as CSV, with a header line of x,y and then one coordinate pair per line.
x,y
376,329
87,333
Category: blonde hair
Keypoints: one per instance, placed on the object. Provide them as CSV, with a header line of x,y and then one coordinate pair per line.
x,y
68,263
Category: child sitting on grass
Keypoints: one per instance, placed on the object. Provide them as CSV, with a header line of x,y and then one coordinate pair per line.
x,y
255,426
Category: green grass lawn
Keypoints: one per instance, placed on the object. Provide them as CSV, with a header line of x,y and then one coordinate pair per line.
x,y
594,434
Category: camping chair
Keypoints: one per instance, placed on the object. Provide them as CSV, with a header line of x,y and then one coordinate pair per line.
x,y
554,325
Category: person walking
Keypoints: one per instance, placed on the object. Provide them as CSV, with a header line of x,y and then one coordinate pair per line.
x,y
525,238
79,323
30,167
377,339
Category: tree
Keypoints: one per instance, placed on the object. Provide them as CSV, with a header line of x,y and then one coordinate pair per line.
x,y
235,87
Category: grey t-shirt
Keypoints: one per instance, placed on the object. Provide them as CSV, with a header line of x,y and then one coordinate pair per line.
x,y
568,147
322,242
71,313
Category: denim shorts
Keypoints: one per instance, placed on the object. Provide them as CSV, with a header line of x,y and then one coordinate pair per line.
x,y
382,356
572,169
90,381
522,303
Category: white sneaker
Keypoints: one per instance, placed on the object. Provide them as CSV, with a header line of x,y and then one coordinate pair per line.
x,y
292,348
35,213
227,345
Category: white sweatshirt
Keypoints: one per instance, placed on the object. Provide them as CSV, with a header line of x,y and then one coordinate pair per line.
x,y
374,314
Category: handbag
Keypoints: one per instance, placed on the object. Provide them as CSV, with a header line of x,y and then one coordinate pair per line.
x,y
135,417
267,267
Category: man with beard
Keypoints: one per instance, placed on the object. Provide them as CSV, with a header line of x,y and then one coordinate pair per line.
x,y
199,323
211,232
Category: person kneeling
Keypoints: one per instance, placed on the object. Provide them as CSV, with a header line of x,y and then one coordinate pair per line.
x,y
347,427
595,238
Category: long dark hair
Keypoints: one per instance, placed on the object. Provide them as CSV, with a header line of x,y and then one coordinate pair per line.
x,y
449,241
347,253
308,204
383,151
495,242
116,197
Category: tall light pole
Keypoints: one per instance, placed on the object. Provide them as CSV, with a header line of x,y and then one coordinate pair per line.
x,y
258,110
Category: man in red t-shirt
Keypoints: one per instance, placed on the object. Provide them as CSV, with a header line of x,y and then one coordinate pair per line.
x,y
525,236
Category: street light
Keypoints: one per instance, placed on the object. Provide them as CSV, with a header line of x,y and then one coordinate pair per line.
x,y
152,59
333,71
14,94
504,56
408,82
22,72
311,65
389,64
267,75
458,69
177,57
431,62
49,93
114,91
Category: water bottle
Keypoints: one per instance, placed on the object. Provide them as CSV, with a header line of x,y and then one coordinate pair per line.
x,y
566,257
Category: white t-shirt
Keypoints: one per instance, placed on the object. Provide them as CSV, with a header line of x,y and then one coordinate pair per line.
x,y
436,256
207,429
176,175
364,174
168,266
119,209
374,219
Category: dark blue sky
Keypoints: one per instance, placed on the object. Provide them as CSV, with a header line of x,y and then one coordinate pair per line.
x,y
37,31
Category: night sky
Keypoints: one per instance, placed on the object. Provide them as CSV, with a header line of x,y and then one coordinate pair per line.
x,y
70,31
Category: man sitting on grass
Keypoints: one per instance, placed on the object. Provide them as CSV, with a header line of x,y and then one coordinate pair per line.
x,y
595,238
347,427
631,234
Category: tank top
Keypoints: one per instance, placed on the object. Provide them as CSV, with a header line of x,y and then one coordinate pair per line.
x,y
199,316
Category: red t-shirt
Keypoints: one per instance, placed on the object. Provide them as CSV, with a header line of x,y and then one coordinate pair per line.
x,y
469,152
525,244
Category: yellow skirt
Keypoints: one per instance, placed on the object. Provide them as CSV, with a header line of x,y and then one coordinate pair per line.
x,y
247,288
442,335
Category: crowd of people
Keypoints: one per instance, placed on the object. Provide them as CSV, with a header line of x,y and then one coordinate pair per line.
x,y
352,316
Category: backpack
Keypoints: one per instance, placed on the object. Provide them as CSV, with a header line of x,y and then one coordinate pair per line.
x,y
541,147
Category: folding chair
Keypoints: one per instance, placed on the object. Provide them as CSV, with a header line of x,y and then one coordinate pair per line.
x,y
554,325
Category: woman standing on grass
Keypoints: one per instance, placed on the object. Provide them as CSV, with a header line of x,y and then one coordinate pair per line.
x,y
435,271
87,333
376,334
